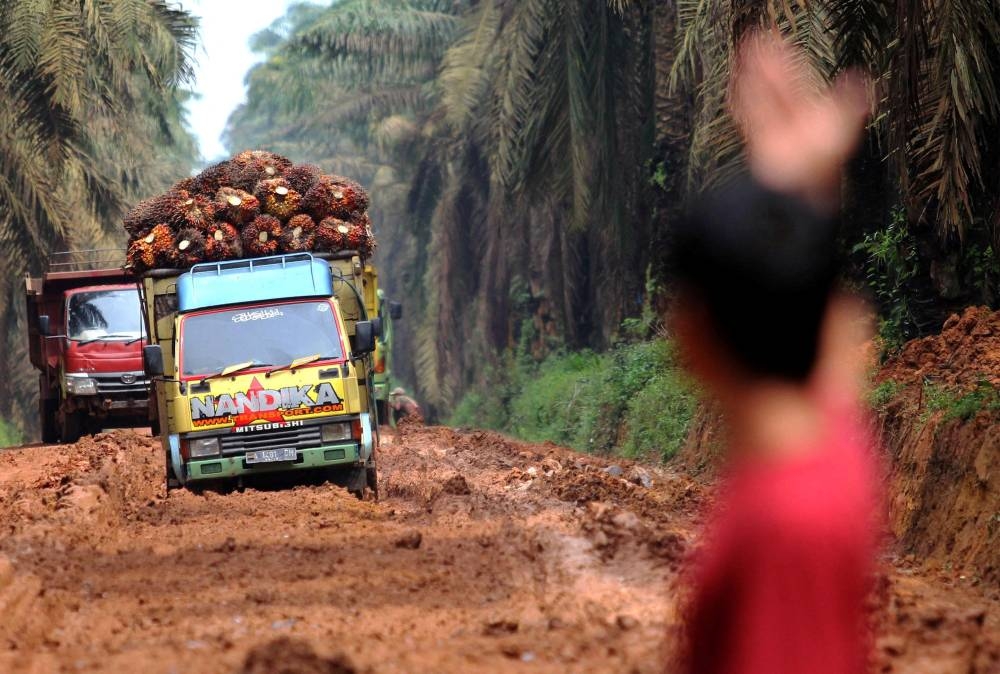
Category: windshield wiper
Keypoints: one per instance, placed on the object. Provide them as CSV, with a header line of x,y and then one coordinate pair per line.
x,y
231,369
298,362
113,335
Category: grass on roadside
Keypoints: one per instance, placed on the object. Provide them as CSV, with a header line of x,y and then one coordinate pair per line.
x,y
632,400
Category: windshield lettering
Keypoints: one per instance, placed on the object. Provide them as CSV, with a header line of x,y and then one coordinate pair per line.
x,y
258,315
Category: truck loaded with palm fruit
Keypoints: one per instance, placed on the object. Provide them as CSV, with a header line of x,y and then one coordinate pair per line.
x,y
261,305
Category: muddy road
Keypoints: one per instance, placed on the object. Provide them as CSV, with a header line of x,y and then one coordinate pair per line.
x,y
483,555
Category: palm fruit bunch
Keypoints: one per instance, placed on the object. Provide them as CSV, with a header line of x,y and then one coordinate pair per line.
x,y
302,177
139,255
236,206
277,198
209,181
262,236
257,203
222,242
188,248
298,234
335,196
249,168
196,211
331,235
160,241
360,237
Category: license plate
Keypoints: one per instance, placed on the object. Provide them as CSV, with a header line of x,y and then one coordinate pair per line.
x,y
271,455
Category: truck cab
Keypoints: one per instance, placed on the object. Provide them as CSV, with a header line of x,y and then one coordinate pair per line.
x,y
86,336
262,366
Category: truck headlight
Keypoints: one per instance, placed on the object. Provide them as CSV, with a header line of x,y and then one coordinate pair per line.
x,y
203,447
80,385
335,432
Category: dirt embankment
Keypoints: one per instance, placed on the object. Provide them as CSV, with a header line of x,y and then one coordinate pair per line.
x,y
938,419
940,427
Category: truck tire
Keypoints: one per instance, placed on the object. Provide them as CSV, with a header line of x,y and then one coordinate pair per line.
x,y
47,409
371,480
71,427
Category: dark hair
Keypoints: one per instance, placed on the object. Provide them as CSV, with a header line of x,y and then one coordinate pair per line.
x,y
763,265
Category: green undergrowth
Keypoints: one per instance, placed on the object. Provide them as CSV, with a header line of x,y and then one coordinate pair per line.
x,y
9,435
632,400
961,405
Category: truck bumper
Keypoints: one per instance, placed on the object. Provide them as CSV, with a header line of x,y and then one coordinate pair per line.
x,y
308,459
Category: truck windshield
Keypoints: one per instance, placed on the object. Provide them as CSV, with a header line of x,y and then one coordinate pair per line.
x,y
105,314
272,335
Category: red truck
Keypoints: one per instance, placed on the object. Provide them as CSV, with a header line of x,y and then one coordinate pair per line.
x,y
86,335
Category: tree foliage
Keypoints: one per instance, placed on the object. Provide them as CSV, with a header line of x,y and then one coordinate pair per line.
x,y
91,120
528,155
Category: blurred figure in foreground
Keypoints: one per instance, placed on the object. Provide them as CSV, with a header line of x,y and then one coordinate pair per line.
x,y
781,583
404,406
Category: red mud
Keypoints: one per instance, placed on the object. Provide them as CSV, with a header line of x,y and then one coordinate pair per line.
x,y
484,555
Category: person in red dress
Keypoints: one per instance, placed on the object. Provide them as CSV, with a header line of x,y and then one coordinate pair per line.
x,y
780,583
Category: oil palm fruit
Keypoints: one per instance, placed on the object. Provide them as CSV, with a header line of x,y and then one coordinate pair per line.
x,y
140,256
302,177
236,206
298,234
188,248
222,242
160,239
196,211
261,237
211,180
335,196
331,235
250,167
277,198
137,222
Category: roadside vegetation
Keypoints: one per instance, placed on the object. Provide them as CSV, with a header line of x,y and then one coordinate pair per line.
x,y
632,400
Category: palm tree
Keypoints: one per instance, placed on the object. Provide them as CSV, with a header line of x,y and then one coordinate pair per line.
x,y
932,147
85,85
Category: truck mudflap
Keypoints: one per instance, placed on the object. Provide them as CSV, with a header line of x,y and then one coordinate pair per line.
x,y
176,462
367,439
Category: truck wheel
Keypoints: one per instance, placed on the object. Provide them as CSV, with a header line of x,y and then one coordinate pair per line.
x,y
72,427
371,480
47,409
154,428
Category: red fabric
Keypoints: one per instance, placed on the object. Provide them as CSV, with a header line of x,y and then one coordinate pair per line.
x,y
781,582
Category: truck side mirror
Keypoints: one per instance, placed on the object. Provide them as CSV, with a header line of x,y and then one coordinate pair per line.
x,y
377,326
43,325
152,360
395,310
364,338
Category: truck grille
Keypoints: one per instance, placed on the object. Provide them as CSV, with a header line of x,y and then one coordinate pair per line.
x,y
302,437
114,383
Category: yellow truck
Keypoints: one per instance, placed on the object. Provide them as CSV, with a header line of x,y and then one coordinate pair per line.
x,y
264,365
